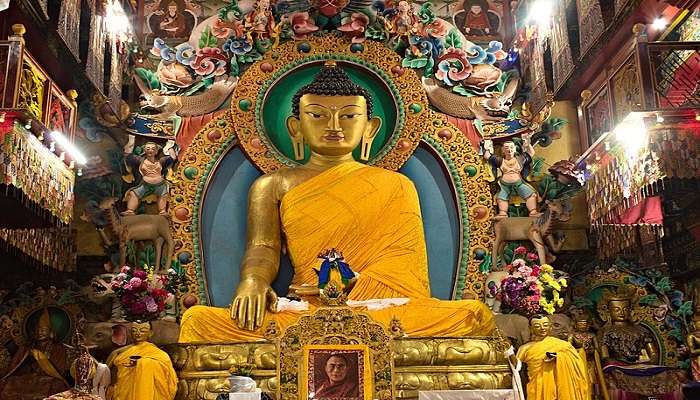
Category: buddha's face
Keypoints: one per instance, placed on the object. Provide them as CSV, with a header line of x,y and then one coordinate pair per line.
x,y
540,327
141,332
619,310
582,325
476,9
333,125
336,369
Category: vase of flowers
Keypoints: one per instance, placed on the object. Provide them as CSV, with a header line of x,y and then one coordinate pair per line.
x,y
145,295
530,288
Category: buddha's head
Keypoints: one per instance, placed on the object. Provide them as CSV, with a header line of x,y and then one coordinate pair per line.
x,y
337,368
620,310
333,115
141,331
540,327
582,323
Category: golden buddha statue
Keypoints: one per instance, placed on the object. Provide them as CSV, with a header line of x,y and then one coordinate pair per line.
x,y
369,214
693,342
555,369
621,339
585,341
142,369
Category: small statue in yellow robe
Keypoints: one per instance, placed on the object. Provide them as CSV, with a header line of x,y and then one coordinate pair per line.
x,y
144,372
370,214
555,369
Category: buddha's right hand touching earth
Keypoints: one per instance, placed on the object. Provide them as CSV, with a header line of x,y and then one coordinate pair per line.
x,y
253,297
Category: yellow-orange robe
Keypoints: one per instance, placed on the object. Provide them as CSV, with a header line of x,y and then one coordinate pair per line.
x,y
563,379
373,217
153,377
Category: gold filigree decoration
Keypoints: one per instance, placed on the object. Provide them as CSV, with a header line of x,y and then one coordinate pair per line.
x,y
334,326
31,90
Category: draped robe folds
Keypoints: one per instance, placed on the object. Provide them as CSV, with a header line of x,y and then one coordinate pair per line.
x,y
153,377
563,379
372,216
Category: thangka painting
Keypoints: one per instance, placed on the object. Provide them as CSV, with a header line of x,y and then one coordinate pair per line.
x,y
171,19
481,21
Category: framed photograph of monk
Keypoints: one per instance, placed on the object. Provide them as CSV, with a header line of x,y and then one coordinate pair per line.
x,y
336,372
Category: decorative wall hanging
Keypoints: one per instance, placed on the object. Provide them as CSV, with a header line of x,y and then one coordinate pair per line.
x,y
94,65
26,164
590,23
562,61
68,27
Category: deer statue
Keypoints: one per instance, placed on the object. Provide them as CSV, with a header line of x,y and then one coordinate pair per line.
x,y
138,227
536,229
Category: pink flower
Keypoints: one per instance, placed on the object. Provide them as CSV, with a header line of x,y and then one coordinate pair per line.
x,y
151,305
135,283
354,26
525,270
174,74
535,270
520,250
532,256
120,276
519,262
141,274
437,29
125,269
302,25
210,60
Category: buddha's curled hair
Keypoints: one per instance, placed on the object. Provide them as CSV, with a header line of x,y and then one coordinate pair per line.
x,y
331,80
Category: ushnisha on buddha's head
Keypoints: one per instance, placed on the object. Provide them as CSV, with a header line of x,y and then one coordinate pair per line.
x,y
141,331
540,327
333,115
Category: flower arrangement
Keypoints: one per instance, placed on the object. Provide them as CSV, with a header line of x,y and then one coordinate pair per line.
x,y
530,288
145,295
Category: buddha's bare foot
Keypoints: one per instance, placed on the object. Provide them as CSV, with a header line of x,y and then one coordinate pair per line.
x,y
535,213
128,212
501,216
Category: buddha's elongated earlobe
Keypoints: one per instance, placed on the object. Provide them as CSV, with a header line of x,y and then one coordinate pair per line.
x,y
298,144
365,148
296,136
374,124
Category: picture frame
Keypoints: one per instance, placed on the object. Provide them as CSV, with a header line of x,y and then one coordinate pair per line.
x,y
336,372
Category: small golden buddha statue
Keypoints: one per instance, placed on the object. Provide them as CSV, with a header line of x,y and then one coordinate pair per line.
x,y
142,369
621,339
693,342
369,214
555,369
585,341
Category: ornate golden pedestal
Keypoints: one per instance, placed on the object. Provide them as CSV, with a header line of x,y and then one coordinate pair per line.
x,y
414,363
